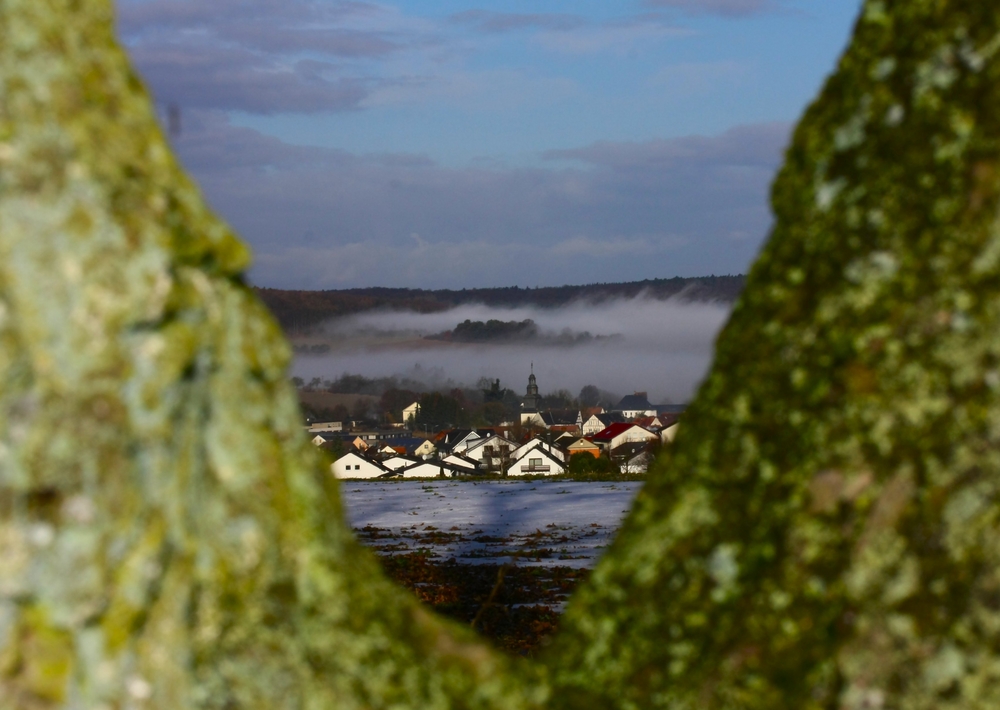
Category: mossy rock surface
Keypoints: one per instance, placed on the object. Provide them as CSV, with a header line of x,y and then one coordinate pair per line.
x,y
168,537
823,533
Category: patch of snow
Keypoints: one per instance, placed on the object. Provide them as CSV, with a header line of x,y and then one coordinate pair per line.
x,y
552,523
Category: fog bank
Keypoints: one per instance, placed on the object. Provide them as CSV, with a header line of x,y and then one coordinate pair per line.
x,y
665,347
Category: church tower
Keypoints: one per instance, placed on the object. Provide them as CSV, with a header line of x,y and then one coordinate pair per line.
x,y
530,401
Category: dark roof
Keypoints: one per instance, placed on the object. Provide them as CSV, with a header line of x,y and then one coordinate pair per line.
x,y
560,417
609,418
446,440
632,402
629,450
669,420
406,442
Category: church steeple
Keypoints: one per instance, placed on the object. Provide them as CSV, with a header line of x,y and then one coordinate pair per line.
x,y
530,401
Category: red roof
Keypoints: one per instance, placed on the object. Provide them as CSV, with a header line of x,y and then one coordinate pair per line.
x,y
610,432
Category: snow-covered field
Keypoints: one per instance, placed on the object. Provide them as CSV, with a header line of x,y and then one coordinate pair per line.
x,y
528,522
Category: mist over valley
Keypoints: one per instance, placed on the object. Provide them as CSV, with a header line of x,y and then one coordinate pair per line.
x,y
620,345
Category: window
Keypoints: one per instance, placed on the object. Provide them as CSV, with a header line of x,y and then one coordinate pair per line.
x,y
534,462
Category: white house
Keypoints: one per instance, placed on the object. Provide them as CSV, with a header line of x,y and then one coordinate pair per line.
x,y
461,461
324,438
537,443
633,457
398,461
536,462
433,469
462,440
623,433
352,465
410,413
425,450
638,463
491,452
599,422
635,405
668,434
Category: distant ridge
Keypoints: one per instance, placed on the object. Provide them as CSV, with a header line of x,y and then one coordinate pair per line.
x,y
299,311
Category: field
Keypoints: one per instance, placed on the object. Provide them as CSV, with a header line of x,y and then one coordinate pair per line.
x,y
502,556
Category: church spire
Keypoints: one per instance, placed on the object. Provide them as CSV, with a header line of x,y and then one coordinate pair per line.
x,y
530,401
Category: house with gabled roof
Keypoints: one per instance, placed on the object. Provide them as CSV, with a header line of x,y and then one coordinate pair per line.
x,y
457,439
654,424
326,437
635,405
538,443
433,469
632,457
410,414
462,461
404,445
398,461
425,450
491,452
536,462
354,465
622,433
584,446
599,422
565,439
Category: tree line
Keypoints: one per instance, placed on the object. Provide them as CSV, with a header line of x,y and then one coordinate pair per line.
x,y
300,311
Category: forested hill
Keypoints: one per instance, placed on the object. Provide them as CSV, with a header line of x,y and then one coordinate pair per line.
x,y
298,311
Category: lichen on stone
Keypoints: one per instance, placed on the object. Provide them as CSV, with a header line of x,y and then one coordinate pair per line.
x,y
845,445
822,534
168,538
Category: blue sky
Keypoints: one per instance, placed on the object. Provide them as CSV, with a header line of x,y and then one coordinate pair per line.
x,y
461,144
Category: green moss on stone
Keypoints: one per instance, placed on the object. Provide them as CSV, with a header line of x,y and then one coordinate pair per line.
x,y
823,533
168,538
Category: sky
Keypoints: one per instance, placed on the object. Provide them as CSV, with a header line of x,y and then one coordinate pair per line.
x,y
469,143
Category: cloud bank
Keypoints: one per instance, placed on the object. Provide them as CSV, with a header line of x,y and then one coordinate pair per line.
x,y
611,211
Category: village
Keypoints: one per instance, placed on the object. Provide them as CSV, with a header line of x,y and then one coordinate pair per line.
x,y
621,439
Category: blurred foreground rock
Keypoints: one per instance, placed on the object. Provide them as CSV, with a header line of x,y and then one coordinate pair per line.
x,y
824,535
826,532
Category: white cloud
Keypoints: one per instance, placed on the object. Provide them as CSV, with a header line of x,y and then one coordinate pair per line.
x,y
733,8
322,218
619,38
